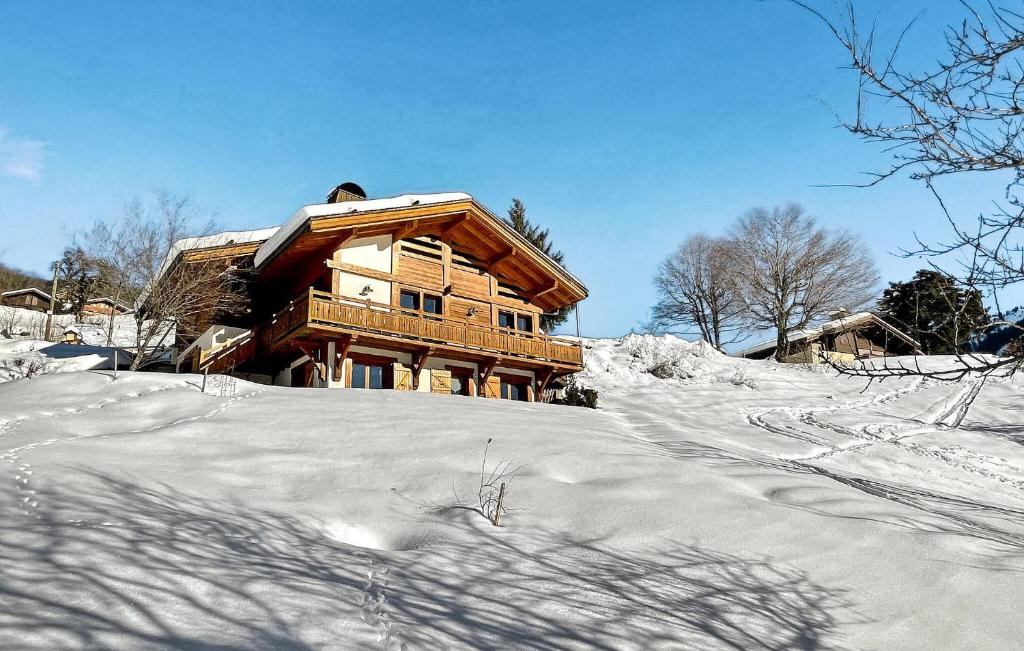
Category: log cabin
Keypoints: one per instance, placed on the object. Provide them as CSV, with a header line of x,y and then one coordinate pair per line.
x,y
29,298
842,339
427,292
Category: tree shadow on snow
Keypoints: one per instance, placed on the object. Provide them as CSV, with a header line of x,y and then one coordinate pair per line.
x,y
148,566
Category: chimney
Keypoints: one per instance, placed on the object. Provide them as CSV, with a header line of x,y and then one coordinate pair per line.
x,y
347,191
841,313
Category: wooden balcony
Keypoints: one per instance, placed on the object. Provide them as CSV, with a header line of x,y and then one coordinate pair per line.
x,y
325,312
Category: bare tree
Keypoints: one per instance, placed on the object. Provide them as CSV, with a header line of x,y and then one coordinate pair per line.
x,y
963,116
789,272
148,259
695,291
80,277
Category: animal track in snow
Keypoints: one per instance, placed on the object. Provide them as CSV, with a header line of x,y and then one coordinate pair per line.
x,y
374,605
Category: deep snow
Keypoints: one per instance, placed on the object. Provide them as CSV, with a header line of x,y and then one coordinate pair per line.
x,y
731,503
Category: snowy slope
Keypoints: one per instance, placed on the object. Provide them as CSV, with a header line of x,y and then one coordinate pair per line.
x,y
728,504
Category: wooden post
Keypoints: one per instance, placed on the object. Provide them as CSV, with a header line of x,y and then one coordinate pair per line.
x,y
53,301
206,372
497,506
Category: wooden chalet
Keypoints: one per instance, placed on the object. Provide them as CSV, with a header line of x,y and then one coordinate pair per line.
x,y
30,298
413,293
104,305
845,338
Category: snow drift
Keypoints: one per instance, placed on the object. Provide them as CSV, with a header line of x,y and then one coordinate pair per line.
x,y
712,502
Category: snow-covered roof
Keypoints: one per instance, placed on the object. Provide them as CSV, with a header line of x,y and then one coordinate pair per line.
x,y
226,238
844,323
27,290
108,301
279,239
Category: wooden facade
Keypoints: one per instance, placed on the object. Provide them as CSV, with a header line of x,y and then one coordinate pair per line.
x,y
437,296
842,340
29,298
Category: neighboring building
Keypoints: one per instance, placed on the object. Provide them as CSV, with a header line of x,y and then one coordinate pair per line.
x,y
418,292
104,305
843,339
29,298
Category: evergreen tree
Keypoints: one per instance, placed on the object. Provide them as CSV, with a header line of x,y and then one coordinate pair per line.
x,y
539,237
932,309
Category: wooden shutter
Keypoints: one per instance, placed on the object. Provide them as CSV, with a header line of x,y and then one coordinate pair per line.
x,y
440,381
403,377
493,387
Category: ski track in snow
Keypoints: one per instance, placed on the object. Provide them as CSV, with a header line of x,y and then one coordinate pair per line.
x,y
811,424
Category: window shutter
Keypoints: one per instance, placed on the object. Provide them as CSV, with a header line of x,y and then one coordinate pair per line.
x,y
403,377
493,387
440,381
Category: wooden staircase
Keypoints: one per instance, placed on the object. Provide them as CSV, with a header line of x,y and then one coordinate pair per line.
x,y
225,356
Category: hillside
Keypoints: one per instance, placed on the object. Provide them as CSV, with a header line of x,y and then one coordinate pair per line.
x,y
728,504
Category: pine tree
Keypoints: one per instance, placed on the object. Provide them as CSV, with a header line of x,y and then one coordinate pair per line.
x,y
539,237
932,309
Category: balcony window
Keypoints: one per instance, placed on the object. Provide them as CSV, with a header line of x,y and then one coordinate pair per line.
x,y
524,323
506,320
409,300
431,304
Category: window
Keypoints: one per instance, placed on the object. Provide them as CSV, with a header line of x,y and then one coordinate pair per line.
x,y
431,304
367,376
513,321
514,390
409,300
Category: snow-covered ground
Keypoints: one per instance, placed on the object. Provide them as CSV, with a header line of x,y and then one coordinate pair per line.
x,y
729,503
19,322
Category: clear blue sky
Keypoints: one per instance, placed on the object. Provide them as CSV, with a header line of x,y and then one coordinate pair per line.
x,y
624,127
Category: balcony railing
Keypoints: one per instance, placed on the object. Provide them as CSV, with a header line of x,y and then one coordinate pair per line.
x,y
316,308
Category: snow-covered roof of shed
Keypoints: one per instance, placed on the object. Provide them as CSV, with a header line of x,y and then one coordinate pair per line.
x,y
279,239
27,290
810,333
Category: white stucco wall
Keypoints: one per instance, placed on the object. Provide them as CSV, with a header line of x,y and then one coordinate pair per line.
x,y
372,253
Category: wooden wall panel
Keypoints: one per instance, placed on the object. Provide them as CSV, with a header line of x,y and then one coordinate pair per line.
x,y
417,271
473,283
458,308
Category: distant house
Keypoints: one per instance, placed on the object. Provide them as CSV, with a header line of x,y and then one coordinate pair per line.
x,y
30,298
427,292
104,305
845,338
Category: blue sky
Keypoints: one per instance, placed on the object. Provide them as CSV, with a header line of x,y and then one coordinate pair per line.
x,y
624,127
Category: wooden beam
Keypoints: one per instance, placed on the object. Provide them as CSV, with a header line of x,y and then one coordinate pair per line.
x,y
360,270
454,223
486,369
501,257
405,231
543,289
341,348
419,358
543,378
319,365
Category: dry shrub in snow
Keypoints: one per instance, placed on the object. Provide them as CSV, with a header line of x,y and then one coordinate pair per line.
x,y
492,493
